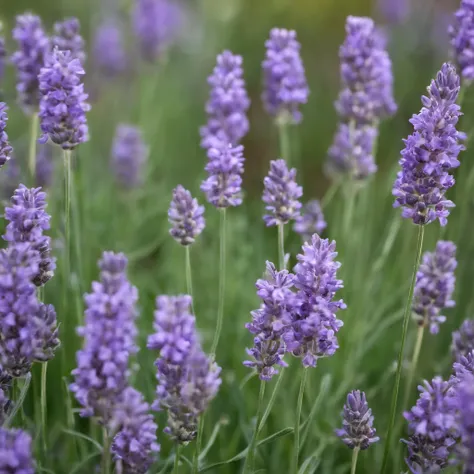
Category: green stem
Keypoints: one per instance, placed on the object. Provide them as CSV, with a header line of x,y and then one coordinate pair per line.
x,y
32,147
414,363
189,277
19,402
406,319
284,139
249,461
44,369
197,451
67,209
349,208
330,193
355,455
281,246
299,406
222,269
176,459
106,452
273,396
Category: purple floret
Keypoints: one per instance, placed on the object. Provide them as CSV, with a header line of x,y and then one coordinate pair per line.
x,y
464,402
63,104
5,148
186,217
311,222
285,86
15,452
463,340
227,105
110,56
461,33
281,194
225,168
430,153
357,422
67,37
434,286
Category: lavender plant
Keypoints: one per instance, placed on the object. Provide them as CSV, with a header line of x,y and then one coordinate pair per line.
x,y
109,53
3,54
67,37
463,340
5,148
16,452
311,221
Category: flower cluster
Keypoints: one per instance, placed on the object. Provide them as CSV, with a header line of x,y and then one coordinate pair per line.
x,y
15,452
186,217
109,339
63,104
463,339
465,422
311,221
109,52
357,422
129,155
435,285
33,48
28,220
67,37
5,148
285,88
430,153
225,168
281,194
227,105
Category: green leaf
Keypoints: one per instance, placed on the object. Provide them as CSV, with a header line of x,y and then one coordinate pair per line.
x,y
83,436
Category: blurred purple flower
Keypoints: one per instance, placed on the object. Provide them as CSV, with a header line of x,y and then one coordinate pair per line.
x,y
463,340
110,56
15,452
9,177
465,419
3,54
394,11
44,165
311,222
5,148
67,37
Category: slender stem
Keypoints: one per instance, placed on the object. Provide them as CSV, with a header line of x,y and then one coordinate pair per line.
x,y
271,402
349,208
281,246
197,450
330,193
19,402
32,147
189,276
176,459
222,269
106,452
67,208
414,363
44,369
296,448
406,318
355,455
249,461
284,138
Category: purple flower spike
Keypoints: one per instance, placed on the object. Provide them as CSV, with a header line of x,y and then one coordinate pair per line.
x,y
15,452
44,165
225,168
135,443
270,321
435,285
33,48
430,153
281,194
129,156
67,37
463,340
432,427
186,217
5,148
461,33
227,105
357,422
285,88
311,222
109,334
110,56
465,419
28,220
63,103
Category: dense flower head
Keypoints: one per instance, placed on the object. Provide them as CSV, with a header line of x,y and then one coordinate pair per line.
x,y
33,48
186,217
464,402
110,56
109,340
67,37
461,33
28,220
311,221
5,148
432,427
285,86
366,74
129,155
462,368
135,443
435,285
44,165
225,168
352,152
463,339
270,321
227,105
430,152
63,104
357,422
15,452
156,24
281,194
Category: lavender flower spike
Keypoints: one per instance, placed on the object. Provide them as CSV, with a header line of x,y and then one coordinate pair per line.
x,y
63,104
269,322
225,168
129,156
44,165
28,220
463,340
465,419
5,148
67,37
430,153
33,47
357,422
281,194
285,86
227,105
15,452
311,222
435,285
186,217
110,56
461,33
109,334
